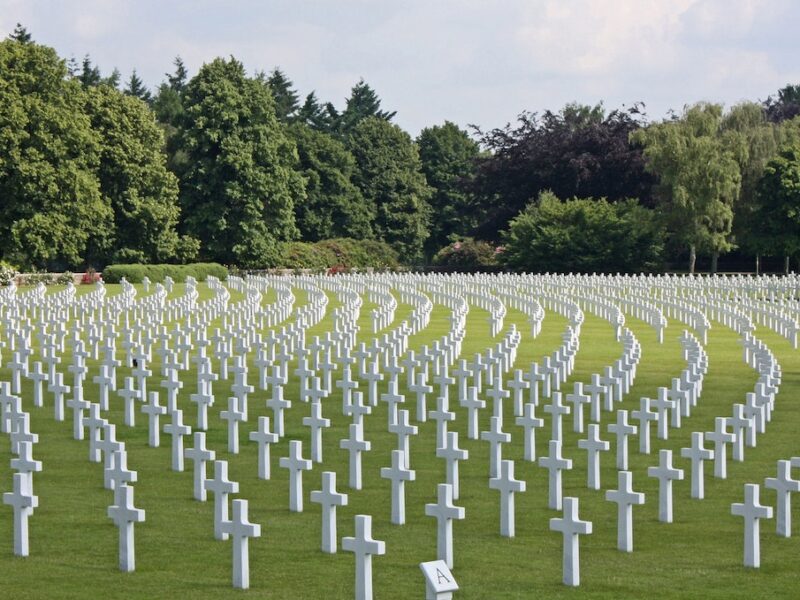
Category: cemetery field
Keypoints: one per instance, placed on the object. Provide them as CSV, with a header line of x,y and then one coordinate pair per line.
x,y
74,545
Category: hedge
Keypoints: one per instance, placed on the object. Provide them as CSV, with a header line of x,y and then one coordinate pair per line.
x,y
339,252
158,273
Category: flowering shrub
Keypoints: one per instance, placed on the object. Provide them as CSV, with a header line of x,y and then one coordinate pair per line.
x,y
90,276
7,273
467,252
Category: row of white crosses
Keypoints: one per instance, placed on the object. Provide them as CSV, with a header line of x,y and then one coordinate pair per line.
x,y
503,480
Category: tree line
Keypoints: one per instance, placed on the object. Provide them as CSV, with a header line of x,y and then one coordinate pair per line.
x,y
229,167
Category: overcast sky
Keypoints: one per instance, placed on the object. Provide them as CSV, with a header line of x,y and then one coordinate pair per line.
x,y
468,61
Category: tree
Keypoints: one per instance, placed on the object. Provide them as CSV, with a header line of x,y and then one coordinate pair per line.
x,y
168,106
584,235
113,79
313,114
285,97
448,156
240,185
363,103
177,80
785,106
21,35
334,206
133,177
390,178
52,213
778,212
754,141
90,74
137,89
699,178
579,151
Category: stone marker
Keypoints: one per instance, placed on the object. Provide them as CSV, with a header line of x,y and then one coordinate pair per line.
x,y
451,453
622,430
233,416
329,499
625,498
665,473
264,438
571,527
124,515
507,485
154,410
753,512
529,423
783,485
698,455
398,474
721,438
220,486
296,464
364,547
355,445
444,511
644,415
241,530
200,455
22,501
593,446
439,581
554,463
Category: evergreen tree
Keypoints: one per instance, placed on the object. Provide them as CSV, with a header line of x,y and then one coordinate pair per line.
x,y
448,157
285,97
313,114
137,89
21,35
113,79
177,80
362,104
90,74
240,185
390,178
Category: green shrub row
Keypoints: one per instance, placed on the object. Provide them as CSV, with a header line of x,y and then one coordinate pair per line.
x,y
157,273
340,252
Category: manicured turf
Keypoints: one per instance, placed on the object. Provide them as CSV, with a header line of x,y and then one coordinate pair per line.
x,y
74,545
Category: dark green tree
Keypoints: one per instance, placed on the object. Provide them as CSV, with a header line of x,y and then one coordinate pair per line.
x,y
239,189
136,88
90,74
177,80
21,35
584,235
778,213
363,103
785,106
313,114
334,206
286,104
52,213
579,151
390,178
448,157
133,177
113,79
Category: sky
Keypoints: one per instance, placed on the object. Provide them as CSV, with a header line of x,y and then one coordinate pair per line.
x,y
476,62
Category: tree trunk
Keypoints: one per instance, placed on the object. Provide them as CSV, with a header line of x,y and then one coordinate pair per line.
x,y
786,265
758,264
714,260
692,258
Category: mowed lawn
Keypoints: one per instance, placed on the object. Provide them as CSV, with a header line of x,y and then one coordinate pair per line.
x,y
73,544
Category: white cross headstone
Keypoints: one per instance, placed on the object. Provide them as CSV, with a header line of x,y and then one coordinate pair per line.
x,y
316,422
296,464
665,473
220,486
233,416
124,515
496,439
264,438
753,512
22,501
329,499
721,438
507,485
398,473
241,530
529,423
444,511
626,499
451,453
355,445
154,410
622,430
364,547
555,464
200,455
571,527
698,454
593,446
784,485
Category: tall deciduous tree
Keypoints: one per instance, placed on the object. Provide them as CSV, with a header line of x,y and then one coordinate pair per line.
x,y
778,212
579,151
334,206
52,212
448,157
239,189
699,178
390,177
133,177
785,106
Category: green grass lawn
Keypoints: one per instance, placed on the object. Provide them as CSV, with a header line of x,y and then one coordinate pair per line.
x,y
73,545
